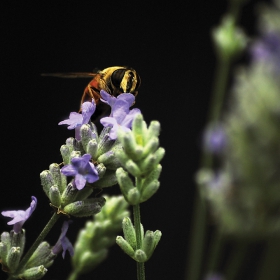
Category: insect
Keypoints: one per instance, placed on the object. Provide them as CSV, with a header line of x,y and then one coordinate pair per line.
x,y
114,80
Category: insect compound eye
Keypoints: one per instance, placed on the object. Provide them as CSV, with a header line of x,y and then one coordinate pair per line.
x,y
125,80
117,77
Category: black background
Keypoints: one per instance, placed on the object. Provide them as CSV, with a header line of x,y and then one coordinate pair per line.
x,y
169,44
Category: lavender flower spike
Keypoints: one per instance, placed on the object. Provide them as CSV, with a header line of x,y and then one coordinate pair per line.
x,y
63,244
20,216
83,170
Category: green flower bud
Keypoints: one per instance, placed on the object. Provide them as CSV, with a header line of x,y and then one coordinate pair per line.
x,y
153,176
125,246
42,256
105,142
34,273
18,239
129,232
151,161
92,148
46,181
101,170
139,130
151,146
150,241
75,154
85,208
65,152
153,130
149,190
133,168
140,256
69,194
5,246
86,135
13,258
124,181
230,41
133,196
55,196
58,177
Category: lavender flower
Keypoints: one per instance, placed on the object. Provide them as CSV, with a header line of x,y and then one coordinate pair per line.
x,y
20,216
63,243
76,120
215,139
83,170
121,116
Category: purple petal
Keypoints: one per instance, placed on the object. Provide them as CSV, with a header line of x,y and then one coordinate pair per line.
x,y
107,98
74,120
66,246
127,122
80,181
88,108
69,170
20,216
108,121
128,97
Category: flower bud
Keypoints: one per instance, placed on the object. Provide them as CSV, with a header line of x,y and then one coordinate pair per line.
x,y
13,258
42,256
153,130
46,181
129,232
140,256
133,168
85,208
101,170
133,196
125,246
34,273
92,148
69,194
58,177
105,142
150,241
149,190
65,152
54,196
86,135
151,146
139,130
230,40
18,239
124,181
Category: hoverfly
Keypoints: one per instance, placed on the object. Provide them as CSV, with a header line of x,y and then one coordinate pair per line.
x,y
114,80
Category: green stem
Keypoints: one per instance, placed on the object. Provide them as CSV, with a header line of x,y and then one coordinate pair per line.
x,y
197,238
137,225
215,252
37,242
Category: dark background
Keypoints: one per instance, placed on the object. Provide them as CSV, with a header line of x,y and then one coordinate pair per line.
x,y
169,44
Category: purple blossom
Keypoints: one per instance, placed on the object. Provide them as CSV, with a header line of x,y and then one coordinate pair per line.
x,y
215,139
20,216
121,116
63,244
267,49
76,120
83,170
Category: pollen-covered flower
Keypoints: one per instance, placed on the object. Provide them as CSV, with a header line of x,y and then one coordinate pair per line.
x,y
20,216
76,120
121,116
83,170
63,244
